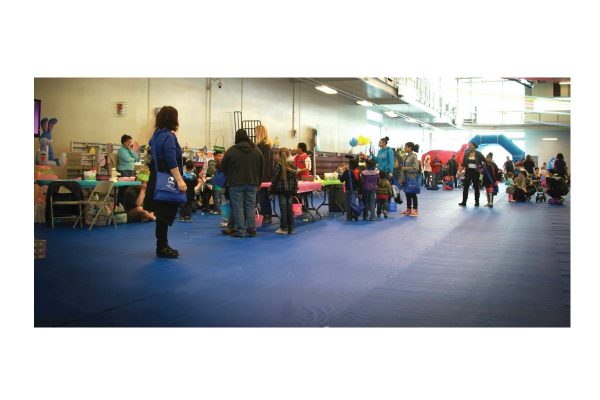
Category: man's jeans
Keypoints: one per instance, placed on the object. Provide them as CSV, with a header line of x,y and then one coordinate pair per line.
x,y
243,203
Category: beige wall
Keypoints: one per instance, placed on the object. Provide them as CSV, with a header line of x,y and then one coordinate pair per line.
x,y
85,108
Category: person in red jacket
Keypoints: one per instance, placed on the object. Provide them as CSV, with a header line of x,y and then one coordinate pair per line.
x,y
436,169
302,161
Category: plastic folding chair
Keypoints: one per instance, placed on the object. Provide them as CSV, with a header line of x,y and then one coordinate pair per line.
x,y
100,198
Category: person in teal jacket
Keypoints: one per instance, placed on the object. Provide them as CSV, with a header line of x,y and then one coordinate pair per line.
x,y
127,157
385,157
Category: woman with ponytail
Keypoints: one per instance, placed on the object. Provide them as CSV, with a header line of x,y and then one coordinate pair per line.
x,y
385,157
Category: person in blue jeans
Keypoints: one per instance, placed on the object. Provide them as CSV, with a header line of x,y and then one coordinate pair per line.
x,y
369,180
191,180
284,184
243,166
345,174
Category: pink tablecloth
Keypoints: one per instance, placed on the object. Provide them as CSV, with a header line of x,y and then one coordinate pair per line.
x,y
303,186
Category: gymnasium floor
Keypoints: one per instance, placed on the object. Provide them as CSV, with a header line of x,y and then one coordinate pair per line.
x,y
450,267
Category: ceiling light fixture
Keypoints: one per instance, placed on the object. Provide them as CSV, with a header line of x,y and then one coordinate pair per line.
x,y
409,119
326,89
550,138
564,83
391,114
364,103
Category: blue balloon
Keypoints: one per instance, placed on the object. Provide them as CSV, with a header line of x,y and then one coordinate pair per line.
x,y
354,142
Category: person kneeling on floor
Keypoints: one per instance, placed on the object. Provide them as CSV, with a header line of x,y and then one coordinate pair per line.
x,y
133,199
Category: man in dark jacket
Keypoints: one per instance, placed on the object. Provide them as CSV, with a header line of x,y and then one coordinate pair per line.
x,y
508,166
453,168
243,166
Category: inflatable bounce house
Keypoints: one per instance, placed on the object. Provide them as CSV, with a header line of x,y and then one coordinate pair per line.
x,y
481,141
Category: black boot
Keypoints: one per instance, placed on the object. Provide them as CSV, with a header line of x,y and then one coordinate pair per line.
x,y
167,252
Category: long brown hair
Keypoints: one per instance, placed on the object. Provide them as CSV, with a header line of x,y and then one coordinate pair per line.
x,y
284,153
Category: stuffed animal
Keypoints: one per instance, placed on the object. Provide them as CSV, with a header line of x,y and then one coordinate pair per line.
x,y
47,126
45,154
42,157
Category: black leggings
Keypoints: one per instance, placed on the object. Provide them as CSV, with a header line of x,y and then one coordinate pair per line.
x,y
411,201
471,176
161,234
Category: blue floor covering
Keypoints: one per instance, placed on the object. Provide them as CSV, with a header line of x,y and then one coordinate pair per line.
x,y
450,267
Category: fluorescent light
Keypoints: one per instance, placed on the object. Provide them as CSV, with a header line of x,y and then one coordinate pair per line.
x,y
326,89
364,103
391,114
550,138
409,119
564,83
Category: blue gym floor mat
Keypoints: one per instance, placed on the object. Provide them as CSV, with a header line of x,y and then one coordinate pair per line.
x,y
450,267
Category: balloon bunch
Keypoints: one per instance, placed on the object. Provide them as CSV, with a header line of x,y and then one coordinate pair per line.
x,y
361,140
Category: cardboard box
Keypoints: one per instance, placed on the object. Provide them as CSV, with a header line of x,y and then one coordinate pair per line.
x,y
39,249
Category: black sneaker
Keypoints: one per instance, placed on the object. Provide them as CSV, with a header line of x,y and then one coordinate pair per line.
x,y
228,231
252,233
237,234
462,204
188,219
181,219
477,204
291,231
167,252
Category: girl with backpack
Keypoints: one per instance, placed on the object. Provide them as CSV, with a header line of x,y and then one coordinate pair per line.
x,y
369,179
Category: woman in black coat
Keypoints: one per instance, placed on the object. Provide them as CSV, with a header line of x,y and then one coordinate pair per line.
x,y
529,165
471,163
265,146
169,159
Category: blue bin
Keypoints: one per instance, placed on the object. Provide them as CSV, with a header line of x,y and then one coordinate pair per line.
x,y
392,207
